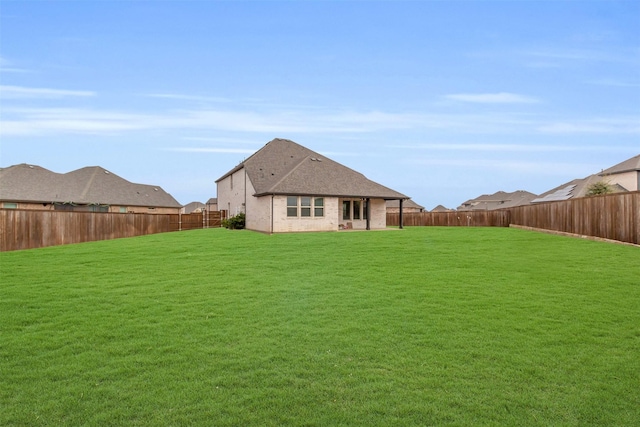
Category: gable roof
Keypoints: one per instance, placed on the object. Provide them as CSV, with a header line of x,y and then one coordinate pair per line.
x,y
192,207
498,200
287,168
89,185
632,164
406,204
441,208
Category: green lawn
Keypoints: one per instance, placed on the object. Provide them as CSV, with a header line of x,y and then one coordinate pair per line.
x,y
421,326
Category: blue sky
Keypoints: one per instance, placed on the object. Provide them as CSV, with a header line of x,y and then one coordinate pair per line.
x,y
441,100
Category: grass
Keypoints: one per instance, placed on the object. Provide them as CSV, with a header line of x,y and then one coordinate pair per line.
x,y
424,326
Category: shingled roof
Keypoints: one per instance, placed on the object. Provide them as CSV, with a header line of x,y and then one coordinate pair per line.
x,y
89,185
498,200
285,167
632,164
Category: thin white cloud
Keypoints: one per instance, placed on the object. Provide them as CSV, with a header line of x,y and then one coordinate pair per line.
x,y
187,97
41,121
13,92
7,66
219,140
624,125
552,57
52,121
518,166
496,147
210,150
614,83
492,98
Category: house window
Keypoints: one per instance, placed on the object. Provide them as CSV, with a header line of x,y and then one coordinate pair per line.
x,y
318,203
10,205
123,209
356,209
97,208
305,206
346,209
292,206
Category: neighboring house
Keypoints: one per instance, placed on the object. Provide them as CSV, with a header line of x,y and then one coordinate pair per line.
x,y
212,204
90,189
286,187
393,206
193,207
441,208
624,176
499,200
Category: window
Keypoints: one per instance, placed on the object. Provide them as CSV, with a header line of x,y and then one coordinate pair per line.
x,y
305,206
10,205
292,206
346,209
98,208
356,209
318,203
123,209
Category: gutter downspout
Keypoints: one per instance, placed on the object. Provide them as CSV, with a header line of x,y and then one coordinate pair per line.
x,y
401,222
271,214
245,193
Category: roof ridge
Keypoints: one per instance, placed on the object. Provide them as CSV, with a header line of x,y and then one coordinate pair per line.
x,y
87,187
286,175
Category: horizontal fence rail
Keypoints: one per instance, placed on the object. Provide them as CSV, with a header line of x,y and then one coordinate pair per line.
x,y
29,229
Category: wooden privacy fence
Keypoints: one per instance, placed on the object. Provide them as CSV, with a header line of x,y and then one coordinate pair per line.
x,y
452,219
612,216
180,222
28,229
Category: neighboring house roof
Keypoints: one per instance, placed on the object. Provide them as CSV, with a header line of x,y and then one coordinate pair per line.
x,y
212,201
406,204
498,200
441,208
574,189
629,165
580,187
285,167
89,185
192,207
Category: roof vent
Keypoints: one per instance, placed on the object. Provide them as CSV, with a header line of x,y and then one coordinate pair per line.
x,y
30,166
107,172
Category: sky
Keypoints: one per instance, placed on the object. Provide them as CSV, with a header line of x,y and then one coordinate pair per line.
x,y
440,100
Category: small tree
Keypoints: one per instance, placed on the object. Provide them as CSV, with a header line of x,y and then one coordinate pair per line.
x,y
235,222
600,187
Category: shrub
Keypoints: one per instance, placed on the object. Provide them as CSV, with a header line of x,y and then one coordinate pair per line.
x,y
234,222
600,187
